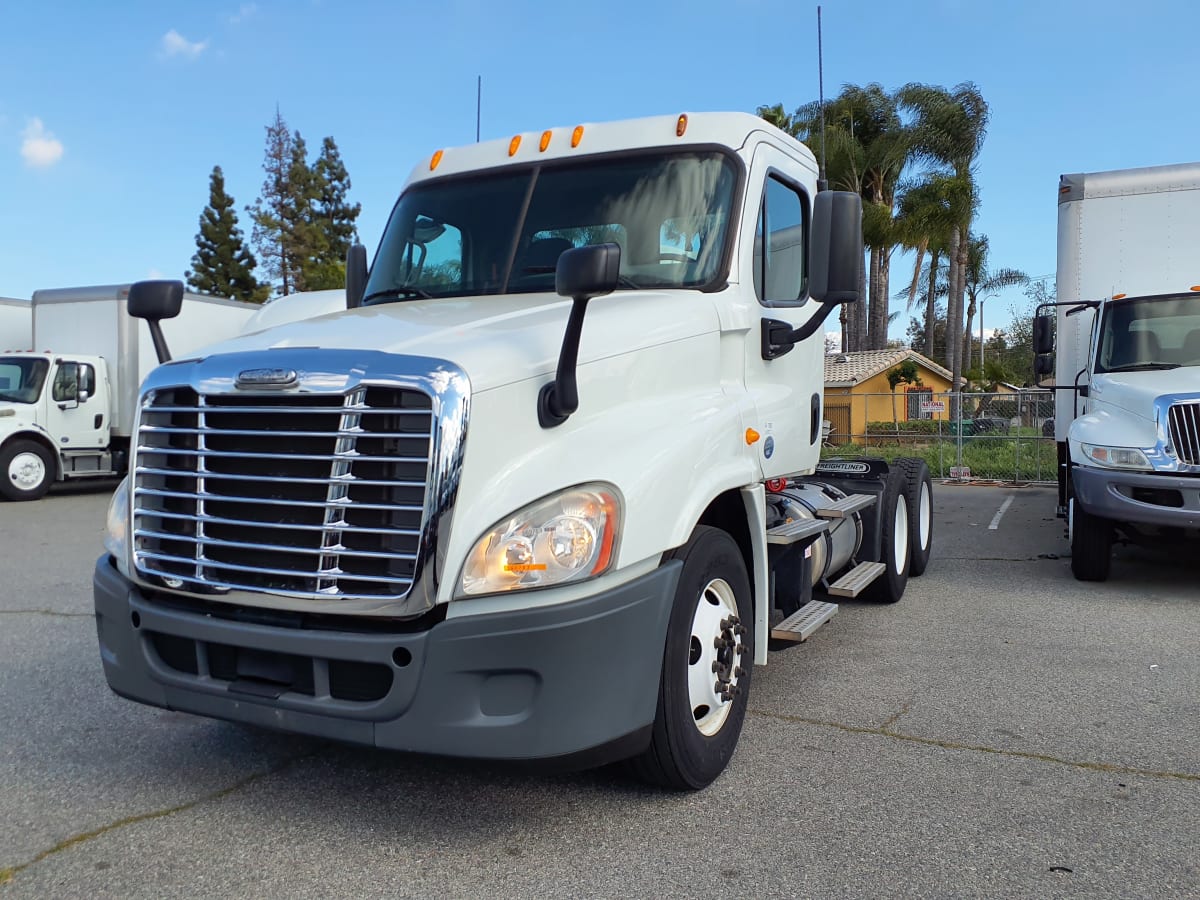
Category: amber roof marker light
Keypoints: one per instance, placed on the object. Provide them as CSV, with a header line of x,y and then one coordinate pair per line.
x,y
681,125
514,145
576,136
435,161
544,142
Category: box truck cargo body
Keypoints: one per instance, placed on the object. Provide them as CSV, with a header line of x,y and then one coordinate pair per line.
x,y
69,406
16,325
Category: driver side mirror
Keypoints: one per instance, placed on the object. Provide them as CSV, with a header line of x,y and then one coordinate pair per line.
x,y
356,275
1043,364
1043,334
836,247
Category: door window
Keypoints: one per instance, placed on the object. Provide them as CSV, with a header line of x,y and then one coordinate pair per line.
x,y
780,243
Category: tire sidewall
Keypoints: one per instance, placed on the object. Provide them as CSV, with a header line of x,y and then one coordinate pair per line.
x,y
889,587
701,758
917,476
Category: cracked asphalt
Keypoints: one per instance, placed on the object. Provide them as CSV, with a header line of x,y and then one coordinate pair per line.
x,y
1004,731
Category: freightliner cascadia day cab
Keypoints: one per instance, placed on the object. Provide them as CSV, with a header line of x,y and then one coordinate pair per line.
x,y
67,407
1127,361
547,490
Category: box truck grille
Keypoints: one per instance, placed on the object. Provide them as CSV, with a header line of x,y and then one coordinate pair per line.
x,y
1184,420
304,495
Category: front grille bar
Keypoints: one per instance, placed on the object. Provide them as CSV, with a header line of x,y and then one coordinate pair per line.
x,y
268,548
348,478
1185,431
242,454
306,504
290,526
236,567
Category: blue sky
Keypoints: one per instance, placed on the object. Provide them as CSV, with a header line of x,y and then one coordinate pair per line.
x,y
113,115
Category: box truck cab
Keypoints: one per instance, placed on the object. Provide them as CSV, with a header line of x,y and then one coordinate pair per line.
x,y
547,490
1127,361
67,408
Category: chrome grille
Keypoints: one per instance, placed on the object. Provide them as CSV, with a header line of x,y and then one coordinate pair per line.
x,y
1184,421
303,495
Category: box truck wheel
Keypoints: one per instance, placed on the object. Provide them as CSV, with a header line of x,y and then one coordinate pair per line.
x,y
1091,544
26,470
918,491
705,682
894,537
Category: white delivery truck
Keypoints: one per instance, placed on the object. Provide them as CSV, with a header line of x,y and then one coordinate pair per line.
x,y
547,490
1127,360
16,324
67,407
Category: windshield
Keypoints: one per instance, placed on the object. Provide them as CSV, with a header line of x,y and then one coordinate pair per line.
x,y
21,379
502,232
1150,333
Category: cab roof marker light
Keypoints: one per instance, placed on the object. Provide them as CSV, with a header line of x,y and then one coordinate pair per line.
x,y
514,145
1194,287
681,125
1118,296
576,136
435,161
544,142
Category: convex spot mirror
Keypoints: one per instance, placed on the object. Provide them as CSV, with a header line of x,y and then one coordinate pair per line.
x,y
587,272
155,300
1043,334
836,247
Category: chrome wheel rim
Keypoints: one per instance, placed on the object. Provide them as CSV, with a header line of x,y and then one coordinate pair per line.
x,y
26,471
715,652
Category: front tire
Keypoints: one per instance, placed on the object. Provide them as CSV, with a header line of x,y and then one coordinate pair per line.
x,y
918,491
1091,545
705,683
26,470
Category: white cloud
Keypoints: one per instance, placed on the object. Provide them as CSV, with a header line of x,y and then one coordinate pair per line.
x,y
39,147
175,44
245,11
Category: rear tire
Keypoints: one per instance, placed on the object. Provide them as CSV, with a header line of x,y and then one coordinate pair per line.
x,y
705,683
918,491
1091,544
894,541
26,470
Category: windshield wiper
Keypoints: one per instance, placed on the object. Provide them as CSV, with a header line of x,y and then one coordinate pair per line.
x,y
406,292
1144,366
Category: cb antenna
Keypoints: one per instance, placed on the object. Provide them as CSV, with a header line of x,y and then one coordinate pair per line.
x,y
822,184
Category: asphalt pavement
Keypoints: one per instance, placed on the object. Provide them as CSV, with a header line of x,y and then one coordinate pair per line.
x,y
1004,731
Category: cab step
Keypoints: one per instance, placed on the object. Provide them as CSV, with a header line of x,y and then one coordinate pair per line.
x,y
800,625
847,506
856,580
796,530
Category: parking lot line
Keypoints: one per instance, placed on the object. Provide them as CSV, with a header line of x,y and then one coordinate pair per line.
x,y
1000,514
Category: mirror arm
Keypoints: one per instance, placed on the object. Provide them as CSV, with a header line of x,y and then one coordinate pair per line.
x,y
160,342
779,337
558,399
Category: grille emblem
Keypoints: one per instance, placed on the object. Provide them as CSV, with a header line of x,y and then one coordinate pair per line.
x,y
267,378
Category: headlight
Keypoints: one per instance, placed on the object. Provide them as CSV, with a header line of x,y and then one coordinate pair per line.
x,y
116,526
567,537
1116,457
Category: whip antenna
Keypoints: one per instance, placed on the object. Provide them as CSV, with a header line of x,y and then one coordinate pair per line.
x,y
822,184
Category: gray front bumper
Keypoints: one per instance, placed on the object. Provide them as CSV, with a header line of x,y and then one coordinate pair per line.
x,y
575,679
1110,493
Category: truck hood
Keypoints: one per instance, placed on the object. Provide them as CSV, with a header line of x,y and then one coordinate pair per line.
x,y
499,339
1135,392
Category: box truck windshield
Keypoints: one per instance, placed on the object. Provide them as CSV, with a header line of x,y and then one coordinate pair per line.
x,y
1150,333
21,379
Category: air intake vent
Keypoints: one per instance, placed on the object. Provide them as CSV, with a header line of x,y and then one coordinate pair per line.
x,y
1184,422
304,495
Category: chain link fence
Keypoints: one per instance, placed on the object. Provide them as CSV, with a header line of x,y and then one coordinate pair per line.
x,y
1006,436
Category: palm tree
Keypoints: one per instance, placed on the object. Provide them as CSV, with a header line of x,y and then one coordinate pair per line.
x,y
979,282
949,130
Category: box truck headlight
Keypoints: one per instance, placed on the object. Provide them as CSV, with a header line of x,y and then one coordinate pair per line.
x,y
116,526
1117,457
567,537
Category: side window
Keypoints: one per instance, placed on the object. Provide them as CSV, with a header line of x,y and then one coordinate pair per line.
x,y
66,382
780,242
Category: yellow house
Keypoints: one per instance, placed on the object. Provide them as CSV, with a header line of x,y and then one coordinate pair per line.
x,y
857,391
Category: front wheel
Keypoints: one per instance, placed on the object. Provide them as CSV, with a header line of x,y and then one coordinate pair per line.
x,y
1091,544
705,682
26,470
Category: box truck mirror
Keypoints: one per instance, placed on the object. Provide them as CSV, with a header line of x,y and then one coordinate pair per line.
x,y
1043,364
1043,334
356,275
154,301
836,247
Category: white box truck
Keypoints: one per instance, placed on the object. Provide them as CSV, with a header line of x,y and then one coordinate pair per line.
x,y
1126,359
547,490
16,324
67,407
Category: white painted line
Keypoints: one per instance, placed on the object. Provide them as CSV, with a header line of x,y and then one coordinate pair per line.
x,y
1000,514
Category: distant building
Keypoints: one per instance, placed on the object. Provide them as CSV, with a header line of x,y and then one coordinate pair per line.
x,y
857,391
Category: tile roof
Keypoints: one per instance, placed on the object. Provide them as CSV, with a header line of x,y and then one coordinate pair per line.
x,y
849,369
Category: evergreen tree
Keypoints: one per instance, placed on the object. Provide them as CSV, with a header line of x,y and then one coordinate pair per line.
x,y
334,217
305,242
222,265
274,211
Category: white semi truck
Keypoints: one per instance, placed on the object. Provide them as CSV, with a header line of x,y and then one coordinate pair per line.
x,y
16,325
67,406
1127,360
547,490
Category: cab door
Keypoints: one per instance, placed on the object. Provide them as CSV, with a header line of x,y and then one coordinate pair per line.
x,y
77,414
786,389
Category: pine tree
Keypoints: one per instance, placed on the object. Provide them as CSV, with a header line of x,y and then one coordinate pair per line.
x,y
334,217
303,239
223,266
271,213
